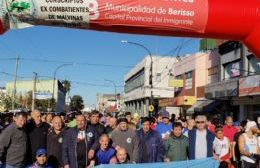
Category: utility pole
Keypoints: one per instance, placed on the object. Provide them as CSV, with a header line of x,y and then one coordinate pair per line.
x,y
15,79
34,90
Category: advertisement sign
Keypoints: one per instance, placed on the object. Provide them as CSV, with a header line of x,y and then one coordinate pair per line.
x,y
249,86
186,100
235,69
185,15
42,95
176,83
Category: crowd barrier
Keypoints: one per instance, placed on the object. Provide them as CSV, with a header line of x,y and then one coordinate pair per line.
x,y
203,163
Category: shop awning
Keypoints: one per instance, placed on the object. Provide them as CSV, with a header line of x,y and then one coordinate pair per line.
x,y
203,106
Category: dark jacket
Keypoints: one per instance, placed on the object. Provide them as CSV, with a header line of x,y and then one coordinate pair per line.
x,y
37,138
69,148
154,146
177,148
100,129
54,148
13,145
192,143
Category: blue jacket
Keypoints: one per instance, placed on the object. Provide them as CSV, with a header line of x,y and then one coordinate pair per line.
x,y
69,152
192,143
162,128
154,146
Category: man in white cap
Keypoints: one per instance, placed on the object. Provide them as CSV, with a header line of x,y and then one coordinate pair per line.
x,y
248,146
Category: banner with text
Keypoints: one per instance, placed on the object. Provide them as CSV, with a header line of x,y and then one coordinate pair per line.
x,y
172,15
204,163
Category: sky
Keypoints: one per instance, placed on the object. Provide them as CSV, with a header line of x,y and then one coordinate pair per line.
x,y
95,56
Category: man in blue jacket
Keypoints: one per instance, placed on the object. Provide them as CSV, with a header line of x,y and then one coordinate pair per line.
x,y
150,147
165,128
79,144
200,140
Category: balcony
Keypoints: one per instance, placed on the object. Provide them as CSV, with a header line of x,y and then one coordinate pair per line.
x,y
223,89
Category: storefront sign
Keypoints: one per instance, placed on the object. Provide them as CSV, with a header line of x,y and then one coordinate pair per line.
x,y
176,83
166,102
186,100
249,86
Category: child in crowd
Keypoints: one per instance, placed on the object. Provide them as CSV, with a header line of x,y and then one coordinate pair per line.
x,y
41,159
221,146
121,156
105,154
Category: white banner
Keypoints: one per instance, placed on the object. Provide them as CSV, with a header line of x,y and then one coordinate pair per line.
x,y
42,96
69,13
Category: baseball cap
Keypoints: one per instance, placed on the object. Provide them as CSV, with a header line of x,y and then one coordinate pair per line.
x,y
41,151
249,125
165,114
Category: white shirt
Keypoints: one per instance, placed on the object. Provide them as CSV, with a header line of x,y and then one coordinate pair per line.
x,y
250,146
221,147
201,145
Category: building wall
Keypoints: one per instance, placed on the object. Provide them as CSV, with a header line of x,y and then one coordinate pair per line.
x,y
198,64
104,101
138,99
161,69
238,81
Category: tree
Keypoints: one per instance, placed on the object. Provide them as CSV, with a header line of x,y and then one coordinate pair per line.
x,y
66,85
5,102
77,103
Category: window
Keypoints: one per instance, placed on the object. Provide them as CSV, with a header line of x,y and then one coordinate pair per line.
x,y
188,75
232,69
179,77
254,65
158,77
135,81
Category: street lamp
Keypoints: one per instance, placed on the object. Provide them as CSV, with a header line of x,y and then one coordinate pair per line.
x,y
54,78
115,89
151,65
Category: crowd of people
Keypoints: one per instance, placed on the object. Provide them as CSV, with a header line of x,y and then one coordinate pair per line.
x,y
77,140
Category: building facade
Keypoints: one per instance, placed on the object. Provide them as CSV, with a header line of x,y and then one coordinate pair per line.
x,y
44,89
196,71
109,103
239,82
138,91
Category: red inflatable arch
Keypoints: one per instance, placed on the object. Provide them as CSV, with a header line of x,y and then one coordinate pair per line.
x,y
221,19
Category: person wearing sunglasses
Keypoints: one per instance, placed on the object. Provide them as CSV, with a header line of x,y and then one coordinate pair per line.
x,y
200,140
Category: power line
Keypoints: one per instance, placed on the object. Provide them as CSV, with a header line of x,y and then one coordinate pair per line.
x,y
75,63
12,75
93,84
7,59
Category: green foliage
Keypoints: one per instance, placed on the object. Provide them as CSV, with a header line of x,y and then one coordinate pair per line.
x,y
77,103
66,85
5,102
